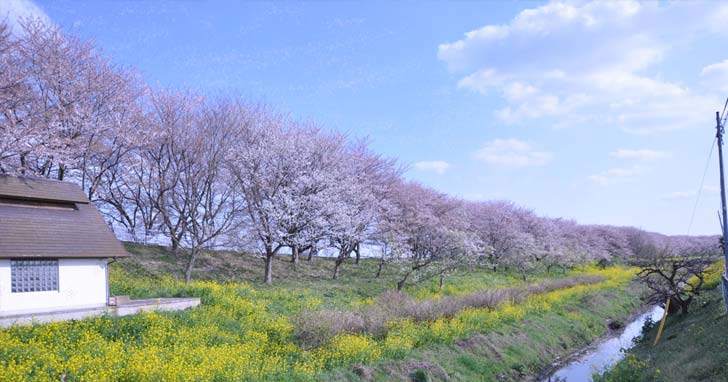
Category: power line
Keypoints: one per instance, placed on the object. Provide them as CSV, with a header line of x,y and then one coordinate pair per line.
x,y
702,181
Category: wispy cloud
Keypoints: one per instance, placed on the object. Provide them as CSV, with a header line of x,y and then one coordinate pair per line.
x,y
682,195
642,154
617,174
438,166
511,152
677,195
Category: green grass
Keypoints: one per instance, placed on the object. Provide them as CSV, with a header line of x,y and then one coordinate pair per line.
x,y
693,347
355,282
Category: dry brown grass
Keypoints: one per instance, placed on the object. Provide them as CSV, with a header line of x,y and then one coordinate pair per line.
x,y
315,328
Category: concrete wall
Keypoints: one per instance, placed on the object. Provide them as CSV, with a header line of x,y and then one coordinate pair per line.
x,y
81,283
132,307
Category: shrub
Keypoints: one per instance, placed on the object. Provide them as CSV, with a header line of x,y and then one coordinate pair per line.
x,y
420,375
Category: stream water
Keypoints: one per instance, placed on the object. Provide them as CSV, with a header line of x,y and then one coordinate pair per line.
x,y
605,353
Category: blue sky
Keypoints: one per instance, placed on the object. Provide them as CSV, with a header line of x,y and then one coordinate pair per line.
x,y
600,112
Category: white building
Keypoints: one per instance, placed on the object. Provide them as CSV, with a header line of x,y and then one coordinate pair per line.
x,y
54,248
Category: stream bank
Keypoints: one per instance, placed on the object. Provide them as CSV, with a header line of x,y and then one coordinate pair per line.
x,y
581,366
693,347
516,350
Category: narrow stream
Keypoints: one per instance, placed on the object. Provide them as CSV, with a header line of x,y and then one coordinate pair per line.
x,y
605,354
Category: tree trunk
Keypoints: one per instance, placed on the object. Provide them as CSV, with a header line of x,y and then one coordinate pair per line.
x,y
190,265
684,308
442,281
683,304
313,251
175,247
22,163
401,283
337,263
339,260
379,269
294,254
268,279
358,254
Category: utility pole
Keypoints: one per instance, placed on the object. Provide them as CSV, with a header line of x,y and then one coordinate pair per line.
x,y
719,136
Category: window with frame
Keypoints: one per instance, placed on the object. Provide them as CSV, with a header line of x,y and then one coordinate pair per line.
x,y
33,275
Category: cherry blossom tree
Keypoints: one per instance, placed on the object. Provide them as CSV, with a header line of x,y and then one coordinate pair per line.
x,y
264,160
161,166
429,236
310,195
548,251
14,94
499,229
361,202
206,189
73,113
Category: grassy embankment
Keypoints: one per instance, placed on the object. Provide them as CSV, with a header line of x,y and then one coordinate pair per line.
x,y
252,332
693,347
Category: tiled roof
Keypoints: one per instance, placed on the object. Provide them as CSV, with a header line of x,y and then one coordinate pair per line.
x,y
40,189
42,218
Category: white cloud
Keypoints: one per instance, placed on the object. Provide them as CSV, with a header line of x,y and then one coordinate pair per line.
x,y
617,174
720,67
511,152
678,195
716,75
17,10
482,81
547,23
588,63
438,166
681,195
643,154
711,189
621,174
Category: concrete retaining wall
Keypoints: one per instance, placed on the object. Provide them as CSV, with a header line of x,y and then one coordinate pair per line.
x,y
129,308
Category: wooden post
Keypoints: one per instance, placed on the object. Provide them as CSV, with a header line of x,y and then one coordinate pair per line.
x,y
662,323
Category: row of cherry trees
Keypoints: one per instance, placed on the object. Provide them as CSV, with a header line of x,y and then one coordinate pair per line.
x,y
222,172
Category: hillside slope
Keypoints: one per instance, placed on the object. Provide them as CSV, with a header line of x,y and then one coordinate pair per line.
x,y
356,281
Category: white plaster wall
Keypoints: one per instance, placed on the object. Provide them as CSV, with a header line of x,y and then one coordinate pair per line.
x,y
81,283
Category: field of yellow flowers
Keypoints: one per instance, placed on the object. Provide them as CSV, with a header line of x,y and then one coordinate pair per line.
x,y
240,333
